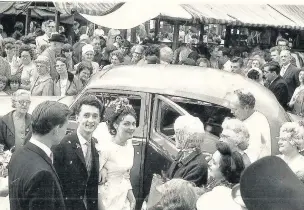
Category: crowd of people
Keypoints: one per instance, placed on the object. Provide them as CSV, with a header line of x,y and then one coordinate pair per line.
x,y
46,64
45,168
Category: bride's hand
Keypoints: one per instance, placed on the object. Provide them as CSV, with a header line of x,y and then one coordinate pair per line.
x,y
131,199
103,175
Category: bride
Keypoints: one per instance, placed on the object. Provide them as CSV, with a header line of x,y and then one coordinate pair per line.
x,y
116,158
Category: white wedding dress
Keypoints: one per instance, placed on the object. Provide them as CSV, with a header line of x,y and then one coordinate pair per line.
x,y
118,161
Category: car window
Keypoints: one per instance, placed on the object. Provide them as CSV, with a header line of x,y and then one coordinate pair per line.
x,y
212,115
167,116
106,98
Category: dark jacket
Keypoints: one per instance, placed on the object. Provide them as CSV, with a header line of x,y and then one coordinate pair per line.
x,y
77,51
280,90
291,78
7,130
74,86
71,168
33,181
193,168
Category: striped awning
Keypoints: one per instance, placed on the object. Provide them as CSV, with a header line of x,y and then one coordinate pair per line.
x,y
90,8
240,15
293,12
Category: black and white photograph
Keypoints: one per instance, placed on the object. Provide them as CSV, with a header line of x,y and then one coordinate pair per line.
x,y
144,105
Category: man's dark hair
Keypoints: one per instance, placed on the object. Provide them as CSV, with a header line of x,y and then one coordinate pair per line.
x,y
237,60
225,51
273,66
253,74
90,100
47,115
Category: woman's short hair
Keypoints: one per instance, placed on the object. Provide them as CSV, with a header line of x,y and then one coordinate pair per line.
x,y
26,48
47,115
44,60
18,93
203,60
67,48
178,194
90,100
118,54
116,111
62,59
239,129
189,131
84,65
296,133
117,36
231,163
14,78
126,44
246,98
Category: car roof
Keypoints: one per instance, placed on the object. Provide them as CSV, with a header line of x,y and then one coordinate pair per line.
x,y
200,83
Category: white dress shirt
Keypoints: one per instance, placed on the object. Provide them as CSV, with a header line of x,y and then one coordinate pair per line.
x,y
44,148
82,142
283,69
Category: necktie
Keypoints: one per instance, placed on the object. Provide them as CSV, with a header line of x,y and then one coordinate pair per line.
x,y
52,158
88,156
246,160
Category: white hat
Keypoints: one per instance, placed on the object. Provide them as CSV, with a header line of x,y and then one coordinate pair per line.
x,y
209,200
84,37
87,48
99,32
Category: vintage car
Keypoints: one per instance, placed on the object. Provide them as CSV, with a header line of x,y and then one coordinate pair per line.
x,y
161,93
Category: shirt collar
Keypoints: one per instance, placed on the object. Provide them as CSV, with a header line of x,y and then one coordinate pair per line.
x,y
286,66
82,140
42,146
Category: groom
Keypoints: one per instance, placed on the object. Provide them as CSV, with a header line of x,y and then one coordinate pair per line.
x,y
76,159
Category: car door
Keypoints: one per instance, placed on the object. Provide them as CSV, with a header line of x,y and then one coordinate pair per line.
x,y
161,149
139,102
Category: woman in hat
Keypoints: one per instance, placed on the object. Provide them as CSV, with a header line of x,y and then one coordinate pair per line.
x,y
88,56
28,68
290,143
84,72
189,164
43,84
15,127
67,84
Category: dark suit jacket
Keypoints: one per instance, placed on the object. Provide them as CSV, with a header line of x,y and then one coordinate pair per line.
x,y
33,181
291,78
193,168
280,90
71,168
7,130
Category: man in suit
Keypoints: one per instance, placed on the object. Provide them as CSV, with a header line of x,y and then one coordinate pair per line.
x,y
33,181
76,159
289,72
276,83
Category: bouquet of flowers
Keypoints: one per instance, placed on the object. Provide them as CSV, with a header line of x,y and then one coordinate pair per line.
x,y
5,157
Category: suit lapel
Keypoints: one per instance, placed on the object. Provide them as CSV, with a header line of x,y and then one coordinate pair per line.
x,y
8,120
42,154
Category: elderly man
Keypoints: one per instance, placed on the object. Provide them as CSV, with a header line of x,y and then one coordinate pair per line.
x,y
56,43
96,43
289,72
242,105
276,83
33,181
50,27
166,55
137,55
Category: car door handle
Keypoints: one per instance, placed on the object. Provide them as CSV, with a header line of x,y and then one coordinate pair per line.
x,y
136,144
